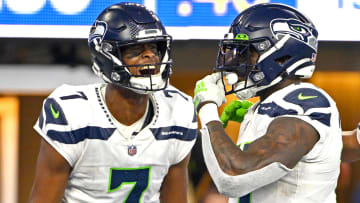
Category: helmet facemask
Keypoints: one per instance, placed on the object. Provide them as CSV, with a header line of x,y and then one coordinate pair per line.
x,y
237,60
151,77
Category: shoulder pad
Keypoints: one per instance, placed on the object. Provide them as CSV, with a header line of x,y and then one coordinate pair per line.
x,y
53,112
307,98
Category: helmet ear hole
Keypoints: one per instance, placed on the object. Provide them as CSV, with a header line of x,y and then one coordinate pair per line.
x,y
282,60
107,47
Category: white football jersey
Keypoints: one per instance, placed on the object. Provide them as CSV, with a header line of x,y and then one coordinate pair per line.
x,y
108,165
314,178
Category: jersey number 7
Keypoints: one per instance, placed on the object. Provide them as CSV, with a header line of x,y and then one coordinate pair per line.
x,y
138,177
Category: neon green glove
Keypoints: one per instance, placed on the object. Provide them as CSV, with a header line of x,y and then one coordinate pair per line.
x,y
235,111
209,89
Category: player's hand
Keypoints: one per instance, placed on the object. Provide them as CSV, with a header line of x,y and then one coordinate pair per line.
x,y
209,89
235,111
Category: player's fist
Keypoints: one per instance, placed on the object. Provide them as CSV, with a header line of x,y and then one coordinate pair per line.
x,y
209,89
235,111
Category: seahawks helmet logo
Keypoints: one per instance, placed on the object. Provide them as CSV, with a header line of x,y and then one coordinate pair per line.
x,y
295,29
98,30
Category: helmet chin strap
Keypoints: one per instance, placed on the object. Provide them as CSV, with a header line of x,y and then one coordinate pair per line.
x,y
142,85
145,85
138,91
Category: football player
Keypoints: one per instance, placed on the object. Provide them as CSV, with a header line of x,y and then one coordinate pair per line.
x,y
289,144
124,140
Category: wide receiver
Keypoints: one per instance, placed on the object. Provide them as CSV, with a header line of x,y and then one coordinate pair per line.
x,y
125,140
289,145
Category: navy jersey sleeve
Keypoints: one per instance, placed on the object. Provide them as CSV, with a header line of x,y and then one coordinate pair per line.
x,y
313,104
55,125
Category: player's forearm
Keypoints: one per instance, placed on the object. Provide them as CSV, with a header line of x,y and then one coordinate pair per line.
x,y
226,152
236,184
231,159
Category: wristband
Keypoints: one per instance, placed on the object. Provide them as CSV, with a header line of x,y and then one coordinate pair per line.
x,y
207,113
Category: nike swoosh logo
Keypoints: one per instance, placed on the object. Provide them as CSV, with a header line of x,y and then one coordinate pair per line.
x,y
54,113
301,97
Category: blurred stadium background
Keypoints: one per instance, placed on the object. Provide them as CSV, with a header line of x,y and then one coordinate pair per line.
x,y
51,49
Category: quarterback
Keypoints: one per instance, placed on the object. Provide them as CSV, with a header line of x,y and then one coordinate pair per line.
x,y
289,144
123,140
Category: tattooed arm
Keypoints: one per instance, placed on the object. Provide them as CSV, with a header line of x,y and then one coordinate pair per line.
x,y
234,172
286,141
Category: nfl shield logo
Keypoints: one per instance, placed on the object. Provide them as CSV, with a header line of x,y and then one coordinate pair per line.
x,y
132,150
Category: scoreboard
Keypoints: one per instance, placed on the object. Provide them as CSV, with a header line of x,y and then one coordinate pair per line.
x,y
183,19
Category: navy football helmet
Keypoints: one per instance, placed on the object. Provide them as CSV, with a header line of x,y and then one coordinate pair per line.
x,y
284,40
123,25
